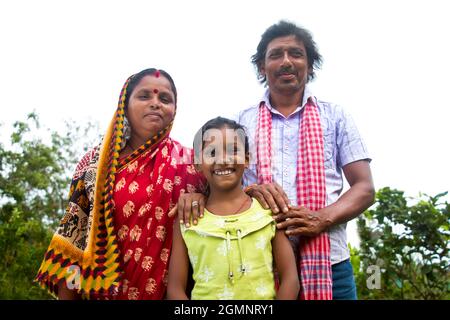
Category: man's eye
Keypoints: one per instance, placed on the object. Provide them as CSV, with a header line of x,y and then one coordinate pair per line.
x,y
274,55
297,54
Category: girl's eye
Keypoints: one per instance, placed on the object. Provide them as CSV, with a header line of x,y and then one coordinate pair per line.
x,y
210,152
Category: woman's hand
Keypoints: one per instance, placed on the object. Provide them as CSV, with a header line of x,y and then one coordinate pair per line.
x,y
270,196
190,205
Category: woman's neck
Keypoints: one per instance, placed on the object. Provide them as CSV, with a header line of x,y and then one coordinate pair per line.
x,y
228,202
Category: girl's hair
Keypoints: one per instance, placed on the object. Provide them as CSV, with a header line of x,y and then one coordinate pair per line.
x,y
218,123
135,79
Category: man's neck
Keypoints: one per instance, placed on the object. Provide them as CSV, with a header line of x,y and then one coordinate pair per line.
x,y
286,103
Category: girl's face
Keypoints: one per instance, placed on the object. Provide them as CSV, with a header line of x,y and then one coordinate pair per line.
x,y
151,106
223,158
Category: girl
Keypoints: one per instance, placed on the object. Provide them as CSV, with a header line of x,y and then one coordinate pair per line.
x,y
231,250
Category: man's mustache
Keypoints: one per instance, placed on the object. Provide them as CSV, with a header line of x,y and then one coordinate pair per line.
x,y
285,70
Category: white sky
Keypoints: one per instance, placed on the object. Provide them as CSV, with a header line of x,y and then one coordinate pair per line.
x,y
386,62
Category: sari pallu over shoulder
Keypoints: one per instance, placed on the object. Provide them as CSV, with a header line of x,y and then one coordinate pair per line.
x,y
83,251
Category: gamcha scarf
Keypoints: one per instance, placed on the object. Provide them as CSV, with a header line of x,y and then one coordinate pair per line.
x,y
314,253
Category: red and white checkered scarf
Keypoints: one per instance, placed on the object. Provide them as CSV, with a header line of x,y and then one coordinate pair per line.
x,y
314,252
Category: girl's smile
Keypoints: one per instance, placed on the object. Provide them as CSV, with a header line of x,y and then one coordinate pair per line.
x,y
223,159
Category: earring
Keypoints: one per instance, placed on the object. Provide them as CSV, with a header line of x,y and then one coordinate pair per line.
x,y
126,132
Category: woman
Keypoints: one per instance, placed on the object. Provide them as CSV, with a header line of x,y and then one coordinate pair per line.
x,y
114,241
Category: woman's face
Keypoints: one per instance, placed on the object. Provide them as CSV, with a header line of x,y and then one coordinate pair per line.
x,y
151,107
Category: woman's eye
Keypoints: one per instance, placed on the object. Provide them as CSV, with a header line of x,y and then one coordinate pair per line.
x,y
165,99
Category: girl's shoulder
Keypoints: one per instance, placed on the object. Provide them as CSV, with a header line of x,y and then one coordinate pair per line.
x,y
249,221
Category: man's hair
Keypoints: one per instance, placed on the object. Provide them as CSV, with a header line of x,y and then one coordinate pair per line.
x,y
282,29
135,79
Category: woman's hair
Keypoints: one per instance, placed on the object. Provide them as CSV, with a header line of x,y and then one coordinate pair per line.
x,y
218,123
282,29
136,78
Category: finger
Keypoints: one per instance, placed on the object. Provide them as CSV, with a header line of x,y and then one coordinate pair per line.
x,y
195,212
180,209
280,217
291,222
258,196
293,213
201,206
281,198
173,211
302,231
267,194
187,212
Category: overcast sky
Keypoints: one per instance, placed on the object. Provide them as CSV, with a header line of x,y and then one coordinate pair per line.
x,y
386,62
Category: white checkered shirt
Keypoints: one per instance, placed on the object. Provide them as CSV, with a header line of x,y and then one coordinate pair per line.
x,y
343,145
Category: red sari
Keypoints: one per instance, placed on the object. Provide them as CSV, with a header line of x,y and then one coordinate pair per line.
x,y
115,238
146,188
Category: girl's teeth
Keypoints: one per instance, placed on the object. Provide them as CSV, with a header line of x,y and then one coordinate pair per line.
x,y
221,173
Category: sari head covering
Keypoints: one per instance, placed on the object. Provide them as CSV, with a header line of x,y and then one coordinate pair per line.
x,y
85,251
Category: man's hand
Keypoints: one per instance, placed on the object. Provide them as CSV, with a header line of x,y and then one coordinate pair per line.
x,y
270,196
303,221
190,205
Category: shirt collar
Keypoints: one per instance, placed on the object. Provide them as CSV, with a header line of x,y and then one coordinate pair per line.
x,y
307,94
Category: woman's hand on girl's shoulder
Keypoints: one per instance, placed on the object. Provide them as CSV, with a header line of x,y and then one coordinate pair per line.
x,y
190,207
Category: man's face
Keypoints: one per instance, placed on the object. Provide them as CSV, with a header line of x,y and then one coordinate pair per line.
x,y
285,65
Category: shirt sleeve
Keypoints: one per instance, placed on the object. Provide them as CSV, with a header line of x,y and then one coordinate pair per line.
x,y
350,145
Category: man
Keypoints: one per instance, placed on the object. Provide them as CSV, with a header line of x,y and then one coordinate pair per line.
x,y
300,146
286,58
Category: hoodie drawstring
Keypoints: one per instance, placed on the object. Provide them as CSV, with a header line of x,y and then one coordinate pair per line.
x,y
230,260
239,238
229,257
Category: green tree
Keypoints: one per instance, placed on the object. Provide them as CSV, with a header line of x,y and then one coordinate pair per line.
x,y
34,181
408,244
